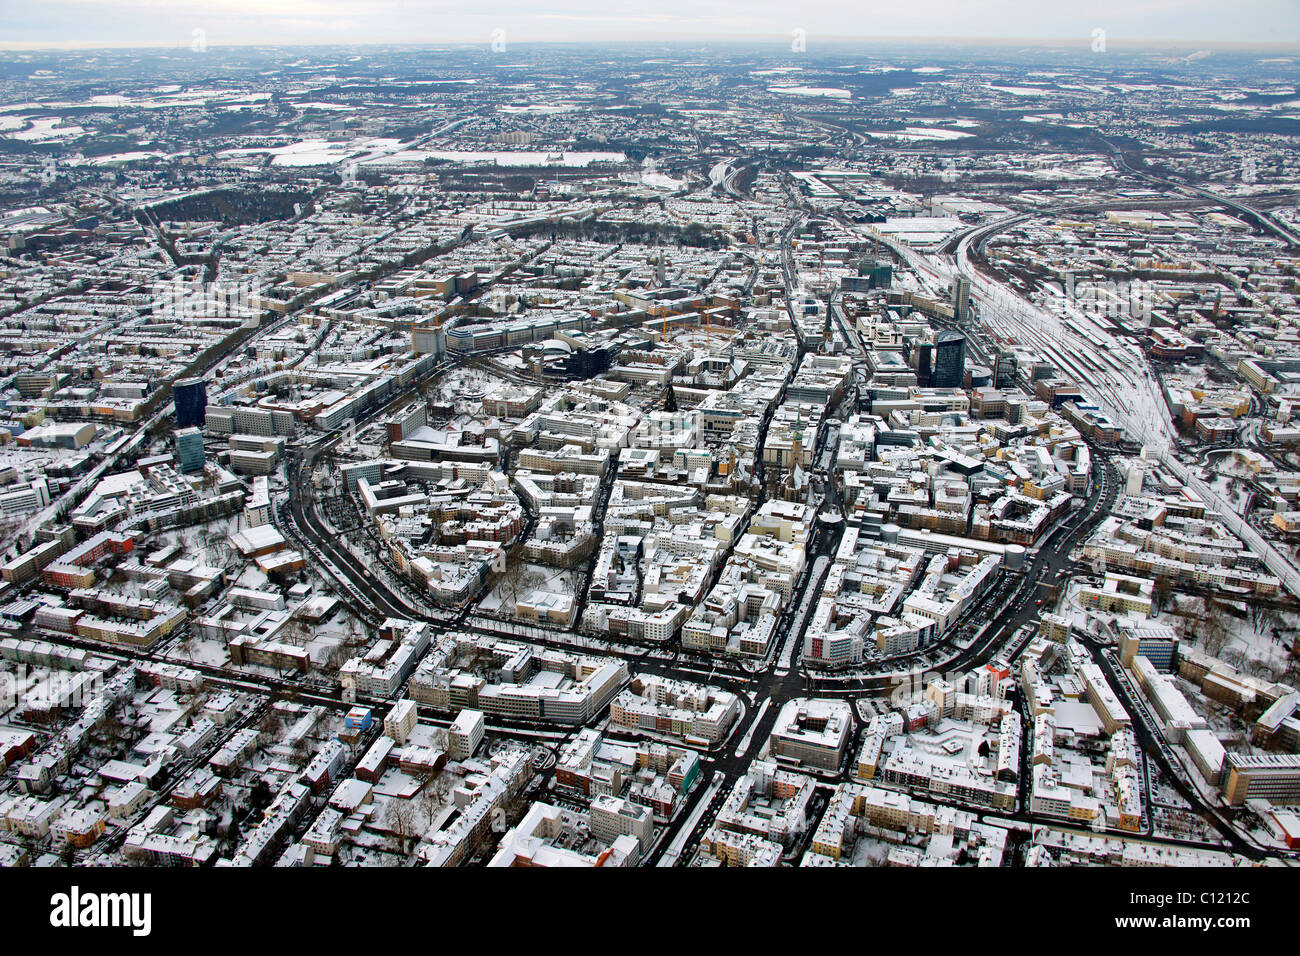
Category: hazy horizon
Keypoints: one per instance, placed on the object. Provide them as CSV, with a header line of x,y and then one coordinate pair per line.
x,y
157,24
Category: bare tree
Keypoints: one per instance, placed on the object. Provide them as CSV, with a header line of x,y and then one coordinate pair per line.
x,y
1214,626
518,579
271,724
334,658
430,800
1161,590
298,632
402,820
115,729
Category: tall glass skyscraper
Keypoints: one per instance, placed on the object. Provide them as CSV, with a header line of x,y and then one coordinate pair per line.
x,y
949,360
190,395
189,449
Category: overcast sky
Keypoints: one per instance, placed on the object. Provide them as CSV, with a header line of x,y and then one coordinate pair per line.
x,y
171,23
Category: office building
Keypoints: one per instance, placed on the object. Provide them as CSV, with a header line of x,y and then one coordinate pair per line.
x,y
961,298
465,734
190,396
949,360
812,732
612,817
1004,375
189,450
1155,641
1273,777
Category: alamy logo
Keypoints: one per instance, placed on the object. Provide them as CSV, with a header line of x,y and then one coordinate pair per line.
x,y
75,909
